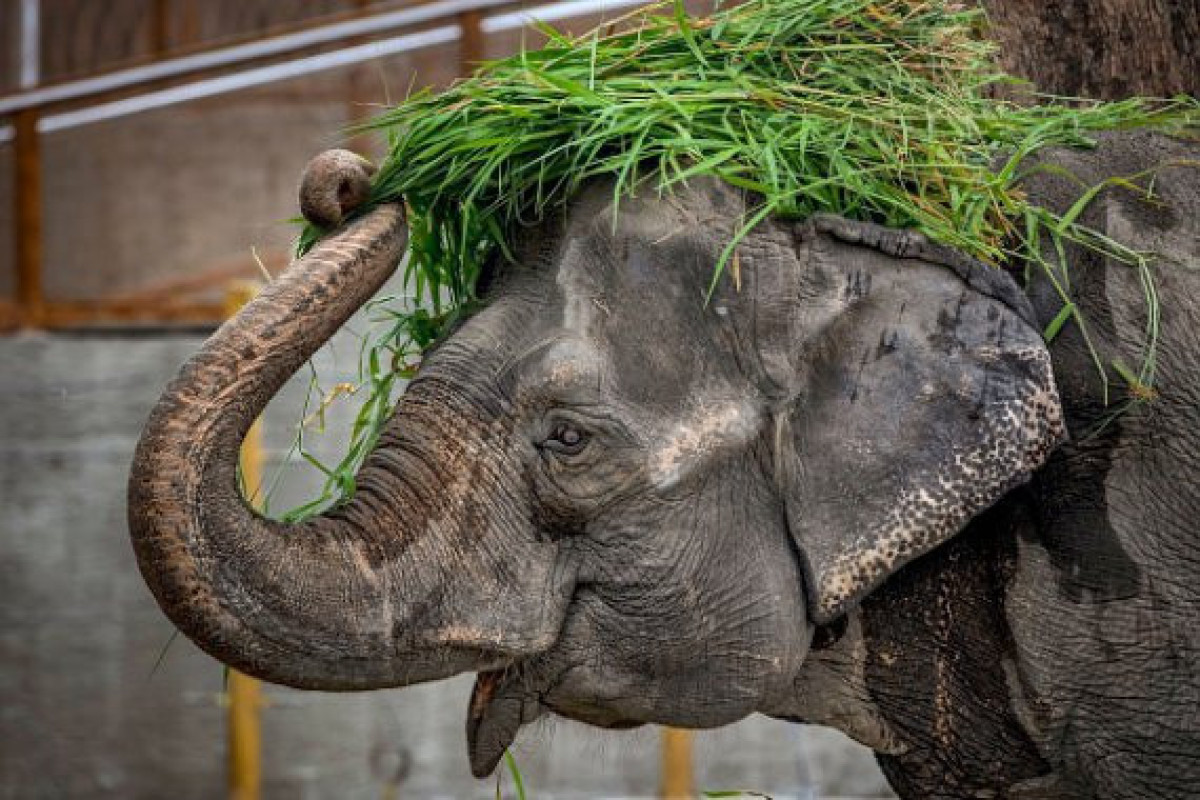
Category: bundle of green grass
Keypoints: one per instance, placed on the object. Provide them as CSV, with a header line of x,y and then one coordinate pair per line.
x,y
879,110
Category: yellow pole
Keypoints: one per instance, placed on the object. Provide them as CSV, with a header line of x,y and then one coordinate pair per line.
x,y
677,780
245,693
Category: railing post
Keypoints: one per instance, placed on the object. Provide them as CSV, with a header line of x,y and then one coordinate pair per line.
x,y
189,23
28,239
245,737
160,28
677,773
359,110
245,693
471,45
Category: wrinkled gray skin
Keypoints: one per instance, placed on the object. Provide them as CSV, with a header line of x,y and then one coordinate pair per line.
x,y
622,505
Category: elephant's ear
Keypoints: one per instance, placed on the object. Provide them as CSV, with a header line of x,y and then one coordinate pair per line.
x,y
915,391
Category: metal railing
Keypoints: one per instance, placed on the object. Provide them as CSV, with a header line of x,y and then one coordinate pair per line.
x,y
355,39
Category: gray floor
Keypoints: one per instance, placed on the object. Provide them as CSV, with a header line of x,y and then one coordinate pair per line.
x,y
85,713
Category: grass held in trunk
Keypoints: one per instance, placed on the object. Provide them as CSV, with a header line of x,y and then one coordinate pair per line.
x,y
876,110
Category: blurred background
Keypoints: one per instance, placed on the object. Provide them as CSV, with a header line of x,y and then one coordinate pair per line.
x,y
149,156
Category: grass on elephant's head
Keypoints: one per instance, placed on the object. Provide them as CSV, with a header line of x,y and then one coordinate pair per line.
x,y
879,110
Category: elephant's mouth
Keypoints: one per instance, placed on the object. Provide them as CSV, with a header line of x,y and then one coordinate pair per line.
x,y
496,712
503,700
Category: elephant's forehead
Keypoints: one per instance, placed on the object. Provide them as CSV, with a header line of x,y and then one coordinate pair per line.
x,y
581,295
569,361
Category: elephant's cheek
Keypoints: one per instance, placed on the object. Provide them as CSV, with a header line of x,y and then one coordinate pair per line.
x,y
779,661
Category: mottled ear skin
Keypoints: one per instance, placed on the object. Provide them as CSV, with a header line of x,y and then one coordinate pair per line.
x,y
916,392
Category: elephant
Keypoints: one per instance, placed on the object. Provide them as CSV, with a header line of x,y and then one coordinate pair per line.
x,y
854,487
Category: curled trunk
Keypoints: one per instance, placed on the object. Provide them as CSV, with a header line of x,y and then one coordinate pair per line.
x,y
430,570
309,604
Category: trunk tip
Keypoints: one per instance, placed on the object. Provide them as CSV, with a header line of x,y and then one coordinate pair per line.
x,y
333,185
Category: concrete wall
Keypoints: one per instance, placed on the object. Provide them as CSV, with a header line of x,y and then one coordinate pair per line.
x,y
86,714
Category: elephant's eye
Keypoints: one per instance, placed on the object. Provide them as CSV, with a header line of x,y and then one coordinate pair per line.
x,y
566,439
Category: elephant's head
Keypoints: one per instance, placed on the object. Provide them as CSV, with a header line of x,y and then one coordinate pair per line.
x,y
613,499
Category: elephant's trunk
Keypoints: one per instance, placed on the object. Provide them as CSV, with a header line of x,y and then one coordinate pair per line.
x,y
349,600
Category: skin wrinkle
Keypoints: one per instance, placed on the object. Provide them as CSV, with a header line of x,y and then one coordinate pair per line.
x,y
943,700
